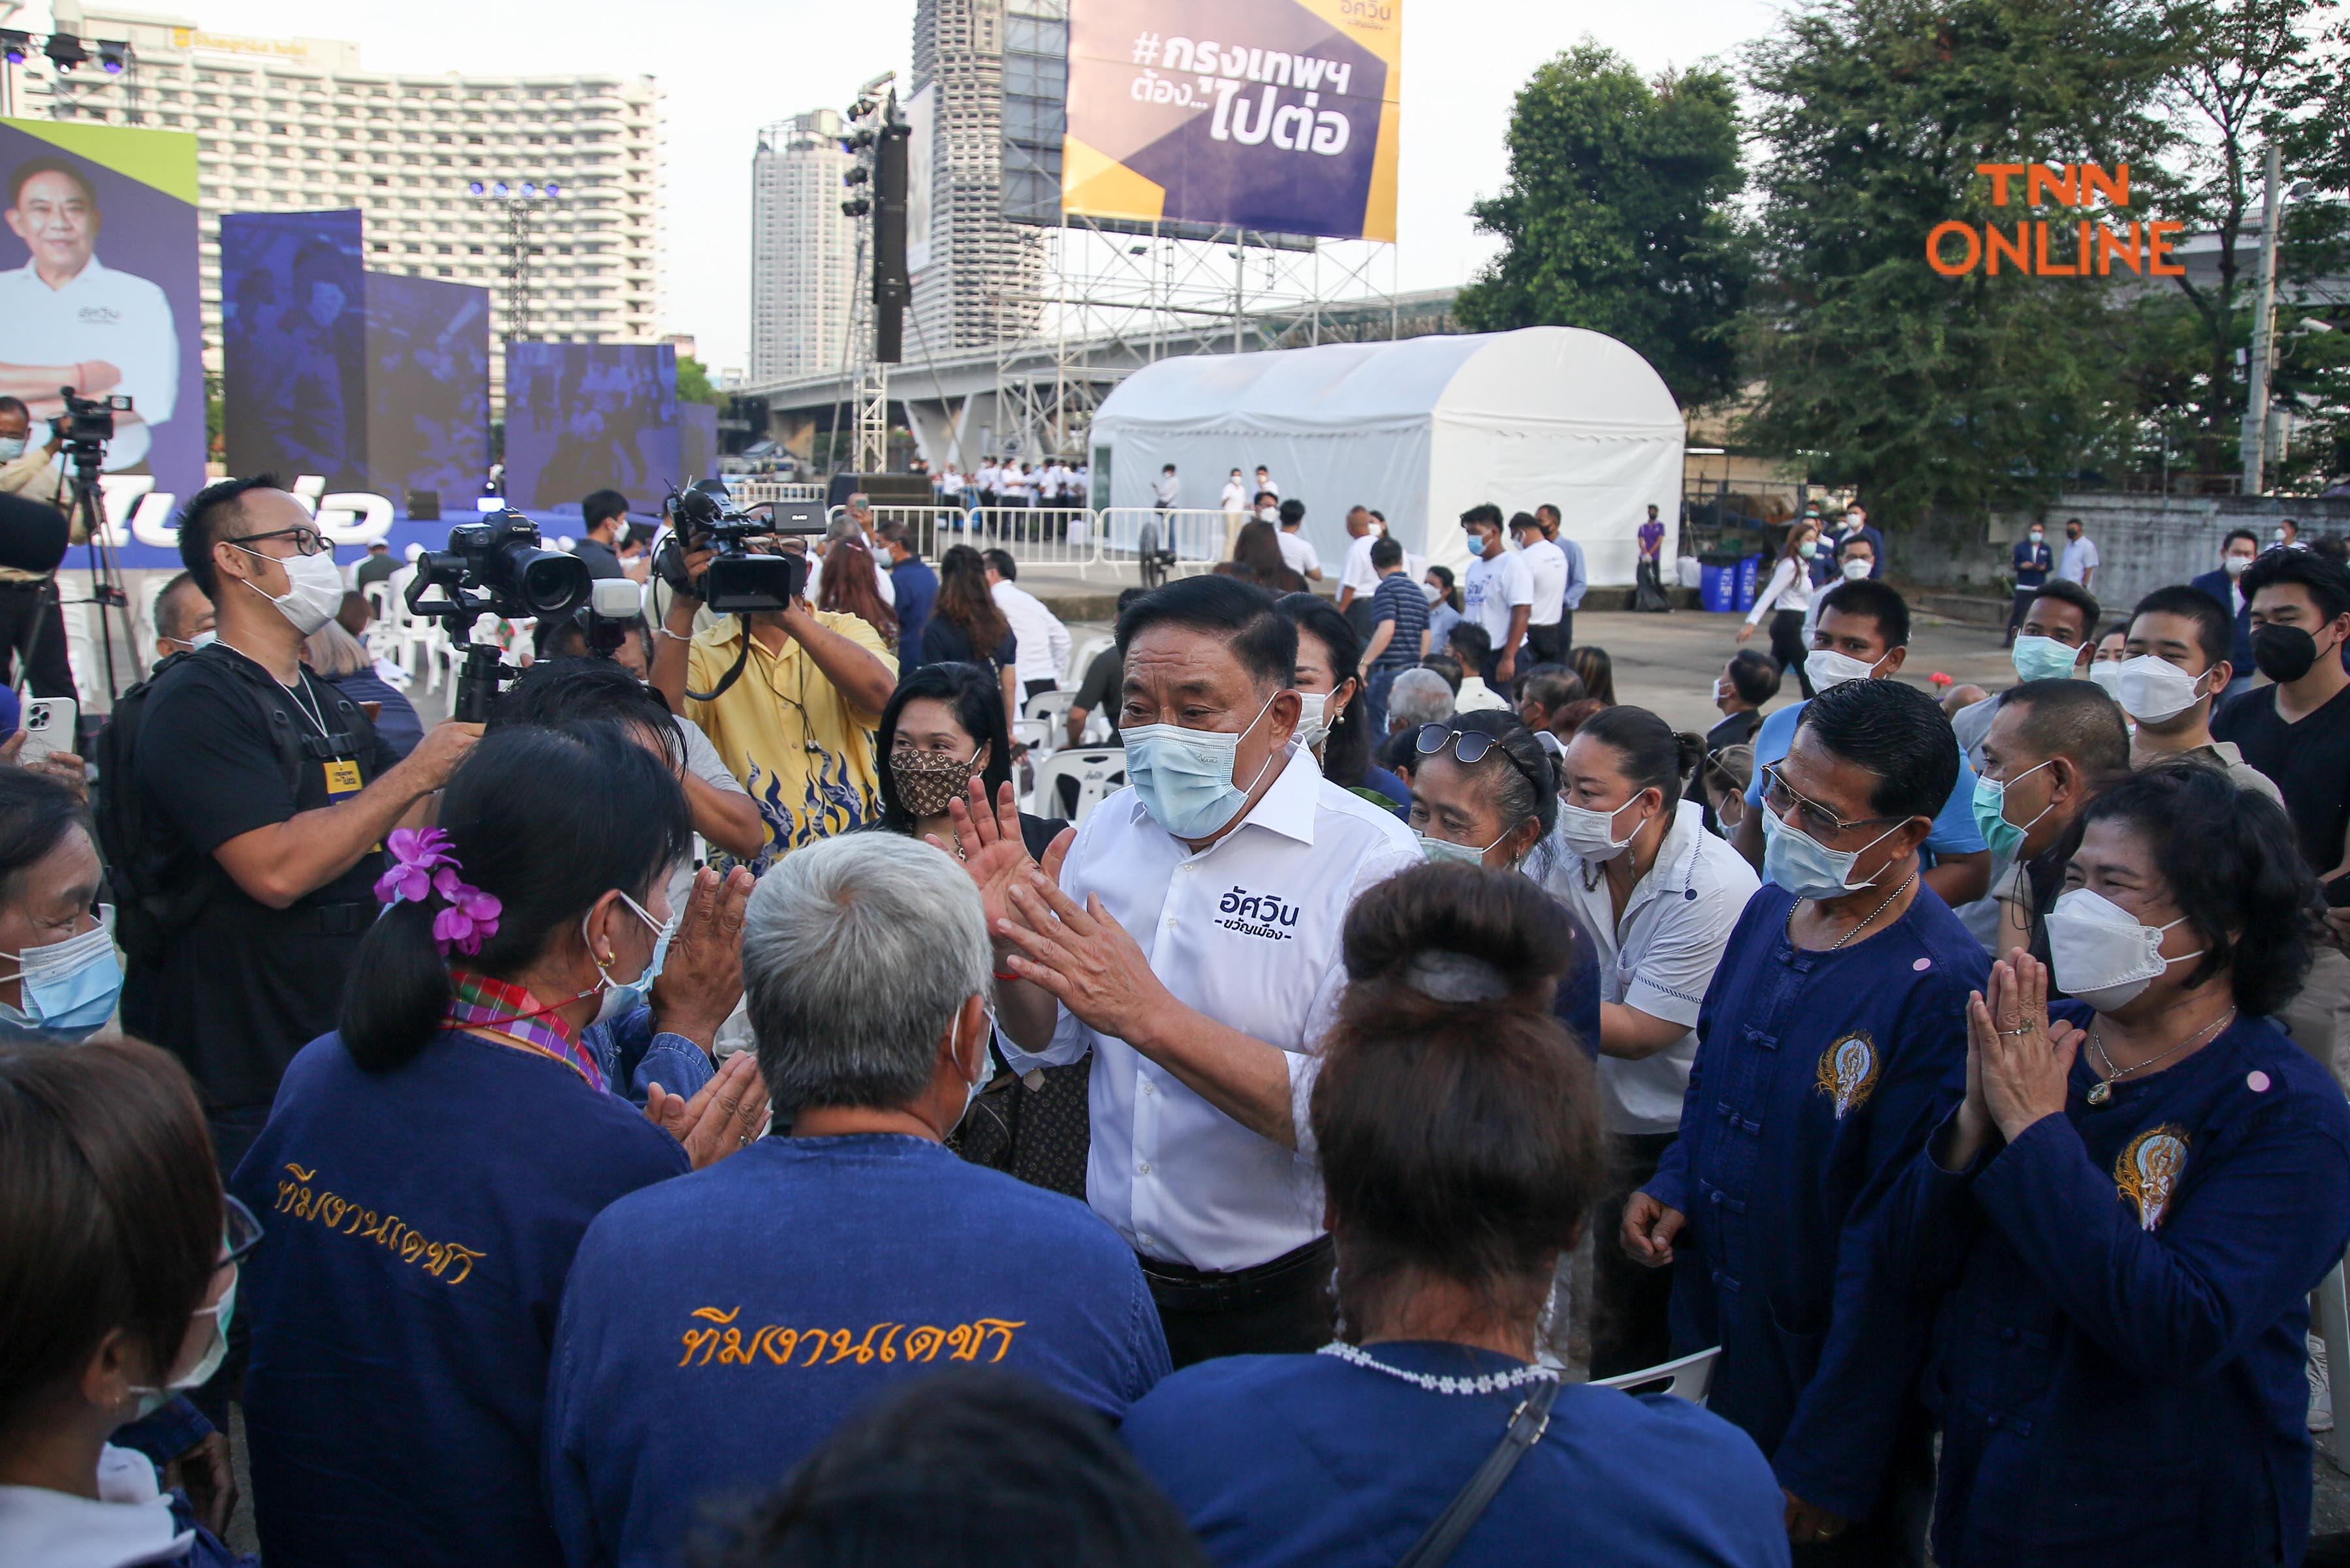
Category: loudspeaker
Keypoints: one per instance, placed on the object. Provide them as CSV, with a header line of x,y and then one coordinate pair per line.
x,y
424,506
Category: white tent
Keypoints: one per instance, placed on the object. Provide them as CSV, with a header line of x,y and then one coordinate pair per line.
x,y
1420,430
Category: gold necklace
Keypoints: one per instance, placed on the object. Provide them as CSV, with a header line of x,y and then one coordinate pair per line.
x,y
2104,1089
1858,929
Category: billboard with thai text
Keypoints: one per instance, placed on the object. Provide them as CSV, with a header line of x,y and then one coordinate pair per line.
x,y
1280,116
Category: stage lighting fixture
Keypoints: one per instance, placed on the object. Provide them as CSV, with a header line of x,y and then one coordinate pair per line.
x,y
65,52
476,188
499,189
14,45
111,57
857,208
863,139
857,176
553,189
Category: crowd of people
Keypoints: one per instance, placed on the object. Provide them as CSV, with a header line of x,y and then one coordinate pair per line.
x,y
700,1117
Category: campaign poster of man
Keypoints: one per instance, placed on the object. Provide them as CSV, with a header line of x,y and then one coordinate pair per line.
x,y
97,285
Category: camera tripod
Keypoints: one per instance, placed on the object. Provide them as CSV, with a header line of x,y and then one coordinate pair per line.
x,y
85,510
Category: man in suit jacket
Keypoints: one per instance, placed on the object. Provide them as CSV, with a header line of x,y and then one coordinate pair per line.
x,y
2237,552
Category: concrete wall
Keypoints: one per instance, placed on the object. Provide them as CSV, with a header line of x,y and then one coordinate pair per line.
x,y
2143,540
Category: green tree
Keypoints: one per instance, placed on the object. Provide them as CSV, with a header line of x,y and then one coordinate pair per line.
x,y
693,383
1968,392
1614,217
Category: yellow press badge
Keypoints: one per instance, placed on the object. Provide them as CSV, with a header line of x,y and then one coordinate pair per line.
x,y
342,780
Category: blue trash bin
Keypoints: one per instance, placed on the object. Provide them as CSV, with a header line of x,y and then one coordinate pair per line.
x,y
1718,586
1749,581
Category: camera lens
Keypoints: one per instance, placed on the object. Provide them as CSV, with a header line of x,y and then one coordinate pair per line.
x,y
550,582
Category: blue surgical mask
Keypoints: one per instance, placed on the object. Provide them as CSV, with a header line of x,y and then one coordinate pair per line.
x,y
2041,658
1185,776
70,987
1808,868
1476,544
11,448
622,997
2003,836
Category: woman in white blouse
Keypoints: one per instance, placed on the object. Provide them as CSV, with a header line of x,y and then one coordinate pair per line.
x,y
1785,598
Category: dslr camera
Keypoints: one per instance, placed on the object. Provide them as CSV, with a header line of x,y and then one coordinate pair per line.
x,y
738,581
496,566
87,423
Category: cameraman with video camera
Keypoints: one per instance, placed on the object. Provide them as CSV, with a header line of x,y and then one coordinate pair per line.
x,y
32,631
790,695
248,802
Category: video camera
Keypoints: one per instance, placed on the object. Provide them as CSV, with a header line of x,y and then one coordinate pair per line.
x,y
495,566
738,581
87,423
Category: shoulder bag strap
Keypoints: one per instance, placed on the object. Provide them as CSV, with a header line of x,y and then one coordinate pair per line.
x,y
1526,1427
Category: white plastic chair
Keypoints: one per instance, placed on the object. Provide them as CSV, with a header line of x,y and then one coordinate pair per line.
x,y
1053,707
1036,734
1096,771
1689,1377
1081,657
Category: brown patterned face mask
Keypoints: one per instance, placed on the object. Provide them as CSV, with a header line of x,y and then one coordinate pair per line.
x,y
927,781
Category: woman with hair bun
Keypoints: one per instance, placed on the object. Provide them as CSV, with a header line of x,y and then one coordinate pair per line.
x,y
429,1168
1660,895
1458,1132
2126,1215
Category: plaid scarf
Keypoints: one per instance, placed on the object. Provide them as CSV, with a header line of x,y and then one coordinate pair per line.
x,y
511,1016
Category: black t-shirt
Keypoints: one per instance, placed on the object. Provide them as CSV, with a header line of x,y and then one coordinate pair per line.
x,y
376,569
237,992
1101,690
2309,762
602,560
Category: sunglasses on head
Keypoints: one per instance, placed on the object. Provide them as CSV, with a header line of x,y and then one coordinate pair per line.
x,y
1471,747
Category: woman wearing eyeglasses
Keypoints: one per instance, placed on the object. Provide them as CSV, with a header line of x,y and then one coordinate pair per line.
x,y
1484,791
2127,1213
119,1262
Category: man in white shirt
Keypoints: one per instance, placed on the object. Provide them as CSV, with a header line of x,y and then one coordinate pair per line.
x,y
1188,939
1236,493
988,477
2079,561
1165,488
1043,640
1545,564
1578,576
73,322
1265,485
1497,592
1296,554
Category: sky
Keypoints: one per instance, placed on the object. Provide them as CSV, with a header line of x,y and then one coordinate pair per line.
x,y
729,66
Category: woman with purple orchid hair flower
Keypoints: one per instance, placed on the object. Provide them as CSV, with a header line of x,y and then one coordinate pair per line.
x,y
429,1168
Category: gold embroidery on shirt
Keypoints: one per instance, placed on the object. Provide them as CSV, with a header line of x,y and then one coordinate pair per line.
x,y
294,1196
2148,1170
724,1344
1847,1073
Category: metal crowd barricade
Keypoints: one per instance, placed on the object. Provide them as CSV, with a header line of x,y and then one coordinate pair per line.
x,y
1042,535
749,491
936,529
1196,534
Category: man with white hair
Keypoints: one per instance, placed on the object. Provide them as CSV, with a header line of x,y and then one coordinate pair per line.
x,y
773,1292
1419,696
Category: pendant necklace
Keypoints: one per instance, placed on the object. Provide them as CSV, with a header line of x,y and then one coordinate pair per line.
x,y
2102,1090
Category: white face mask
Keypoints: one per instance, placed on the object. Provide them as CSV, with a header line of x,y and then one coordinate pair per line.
x,y
2102,954
2108,674
1856,568
1312,728
1592,834
1442,849
1828,668
315,590
2237,565
11,448
2151,690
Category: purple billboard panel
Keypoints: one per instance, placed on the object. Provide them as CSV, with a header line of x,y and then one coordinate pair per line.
x,y
294,395
97,285
1280,116
582,417
697,440
428,357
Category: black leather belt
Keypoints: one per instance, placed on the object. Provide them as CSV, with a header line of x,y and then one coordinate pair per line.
x,y
1178,1287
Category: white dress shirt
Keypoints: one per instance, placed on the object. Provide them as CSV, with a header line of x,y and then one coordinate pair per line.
x,y
1546,565
1043,640
99,314
2079,560
1661,957
1297,554
1236,495
1247,933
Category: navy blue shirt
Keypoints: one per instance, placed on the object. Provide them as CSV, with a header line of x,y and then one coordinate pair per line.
x,y
418,1224
1817,1078
2221,589
718,1328
2118,1368
1305,1460
2032,562
917,588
